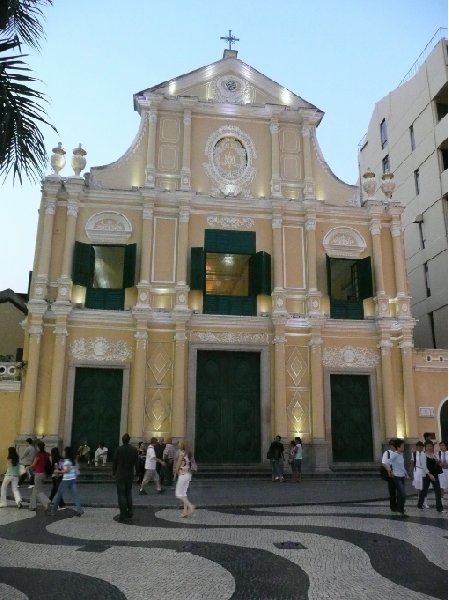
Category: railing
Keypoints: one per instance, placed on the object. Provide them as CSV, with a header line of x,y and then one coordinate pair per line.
x,y
10,371
440,34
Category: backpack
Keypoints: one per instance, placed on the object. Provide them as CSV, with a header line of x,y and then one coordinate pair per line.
x,y
48,466
383,471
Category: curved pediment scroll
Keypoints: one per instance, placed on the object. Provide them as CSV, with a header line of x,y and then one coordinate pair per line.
x,y
344,242
108,227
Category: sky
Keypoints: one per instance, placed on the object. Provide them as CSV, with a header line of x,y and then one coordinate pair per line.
x,y
342,56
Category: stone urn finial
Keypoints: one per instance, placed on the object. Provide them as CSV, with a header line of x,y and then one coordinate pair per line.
x,y
57,159
369,183
388,185
78,160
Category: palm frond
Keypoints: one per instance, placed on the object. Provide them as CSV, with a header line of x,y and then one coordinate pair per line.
x,y
22,148
21,20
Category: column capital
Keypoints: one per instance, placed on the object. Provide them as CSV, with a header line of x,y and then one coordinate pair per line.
x,y
49,206
152,116
375,226
276,222
73,206
148,211
311,223
274,127
396,229
184,214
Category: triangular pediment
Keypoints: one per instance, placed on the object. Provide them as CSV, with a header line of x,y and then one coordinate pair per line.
x,y
229,80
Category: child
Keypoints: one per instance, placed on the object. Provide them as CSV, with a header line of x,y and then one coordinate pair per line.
x,y
11,476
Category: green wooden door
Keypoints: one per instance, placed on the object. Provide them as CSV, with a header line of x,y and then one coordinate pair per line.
x,y
228,407
97,406
352,437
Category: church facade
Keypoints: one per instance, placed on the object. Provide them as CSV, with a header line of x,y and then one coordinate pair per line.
x,y
218,283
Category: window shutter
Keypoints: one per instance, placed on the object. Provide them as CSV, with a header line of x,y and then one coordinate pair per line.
x,y
105,298
83,264
329,276
129,267
260,274
365,278
197,269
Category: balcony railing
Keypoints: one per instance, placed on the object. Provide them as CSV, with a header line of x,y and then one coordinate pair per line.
x,y
10,375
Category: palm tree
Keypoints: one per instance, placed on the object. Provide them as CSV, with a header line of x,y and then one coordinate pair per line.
x,y
22,149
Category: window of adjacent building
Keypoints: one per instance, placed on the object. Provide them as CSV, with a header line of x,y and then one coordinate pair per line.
x,y
349,282
412,137
105,271
422,238
441,103
427,279
442,152
444,206
230,273
383,133
432,329
416,178
386,164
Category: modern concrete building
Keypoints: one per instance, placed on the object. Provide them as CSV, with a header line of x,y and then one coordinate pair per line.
x,y
219,283
407,136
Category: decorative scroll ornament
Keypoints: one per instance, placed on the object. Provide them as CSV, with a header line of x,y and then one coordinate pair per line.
x,y
228,337
349,356
230,153
229,88
344,242
101,349
108,227
231,222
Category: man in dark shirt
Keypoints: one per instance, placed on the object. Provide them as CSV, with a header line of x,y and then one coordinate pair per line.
x,y
124,465
276,456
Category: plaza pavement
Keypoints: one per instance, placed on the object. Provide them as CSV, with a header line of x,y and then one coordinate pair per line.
x,y
248,539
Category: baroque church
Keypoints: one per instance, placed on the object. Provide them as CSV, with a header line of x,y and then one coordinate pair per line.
x,y
218,283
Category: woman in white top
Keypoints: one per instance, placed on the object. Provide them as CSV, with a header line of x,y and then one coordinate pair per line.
x,y
184,475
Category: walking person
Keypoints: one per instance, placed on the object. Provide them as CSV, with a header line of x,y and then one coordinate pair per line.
x,y
183,473
124,464
431,470
297,460
70,470
276,456
38,467
392,490
169,458
150,468
142,453
159,451
399,475
26,459
443,459
11,477
58,471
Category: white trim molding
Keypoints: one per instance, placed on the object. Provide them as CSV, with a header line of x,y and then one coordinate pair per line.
x,y
344,242
108,227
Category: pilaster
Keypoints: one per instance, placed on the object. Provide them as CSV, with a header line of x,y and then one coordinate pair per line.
x,y
178,423
137,408
309,183
144,286
278,295
74,187
34,331
389,402
280,392
152,118
185,169
411,421
61,312
275,175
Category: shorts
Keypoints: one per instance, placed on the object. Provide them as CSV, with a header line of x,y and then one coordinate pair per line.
x,y
296,466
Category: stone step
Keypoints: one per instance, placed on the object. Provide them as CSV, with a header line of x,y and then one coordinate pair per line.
x,y
229,471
